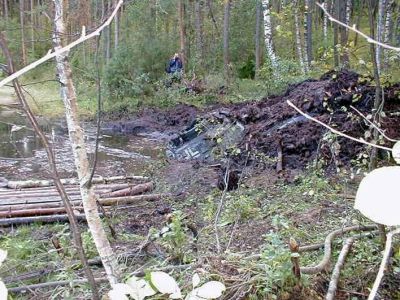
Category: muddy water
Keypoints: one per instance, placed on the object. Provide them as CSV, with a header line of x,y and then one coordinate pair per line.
x,y
22,155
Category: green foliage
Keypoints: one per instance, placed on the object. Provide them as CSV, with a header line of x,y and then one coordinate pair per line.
x,y
176,239
247,69
275,262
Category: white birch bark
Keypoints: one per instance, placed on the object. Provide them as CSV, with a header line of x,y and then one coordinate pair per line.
x,y
268,33
307,23
379,32
387,33
79,151
325,29
349,7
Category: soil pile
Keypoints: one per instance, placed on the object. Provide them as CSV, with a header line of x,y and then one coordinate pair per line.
x,y
271,123
272,126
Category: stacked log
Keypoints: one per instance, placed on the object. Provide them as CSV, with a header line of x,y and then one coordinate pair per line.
x,y
30,201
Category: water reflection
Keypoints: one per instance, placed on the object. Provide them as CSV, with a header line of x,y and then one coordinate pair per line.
x,y
22,154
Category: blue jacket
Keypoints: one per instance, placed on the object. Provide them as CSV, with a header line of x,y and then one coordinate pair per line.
x,y
175,65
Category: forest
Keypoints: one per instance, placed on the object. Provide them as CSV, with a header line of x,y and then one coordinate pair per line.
x,y
199,149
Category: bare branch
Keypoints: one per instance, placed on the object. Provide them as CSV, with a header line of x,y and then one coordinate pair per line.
x,y
354,29
336,272
385,259
51,54
336,131
373,125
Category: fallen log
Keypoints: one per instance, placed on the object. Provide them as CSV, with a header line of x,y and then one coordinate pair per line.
x,y
35,212
74,187
49,206
37,205
70,181
36,200
131,199
130,191
41,219
74,191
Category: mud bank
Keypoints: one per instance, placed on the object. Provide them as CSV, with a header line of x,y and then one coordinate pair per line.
x,y
272,126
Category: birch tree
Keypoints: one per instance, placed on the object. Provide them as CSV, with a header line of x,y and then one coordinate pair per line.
x,y
299,47
387,33
76,137
268,33
325,26
76,233
379,32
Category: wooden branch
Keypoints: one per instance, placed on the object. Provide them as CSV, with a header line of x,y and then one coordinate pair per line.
x,y
323,265
279,164
51,54
31,287
69,181
334,130
385,259
336,271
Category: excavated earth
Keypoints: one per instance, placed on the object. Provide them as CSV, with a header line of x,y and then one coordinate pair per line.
x,y
271,124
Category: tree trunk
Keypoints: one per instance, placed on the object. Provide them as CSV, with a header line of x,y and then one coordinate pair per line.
x,y
79,152
76,234
378,90
227,14
182,32
268,34
22,24
308,33
388,33
6,12
344,58
379,32
361,6
325,30
33,27
336,33
257,38
116,30
199,33
349,10
299,47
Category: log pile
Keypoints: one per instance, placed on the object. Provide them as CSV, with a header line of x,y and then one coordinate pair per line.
x,y
24,202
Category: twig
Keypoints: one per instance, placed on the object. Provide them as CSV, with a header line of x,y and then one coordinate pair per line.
x,y
373,125
98,85
53,53
384,262
219,210
354,29
53,284
336,131
336,271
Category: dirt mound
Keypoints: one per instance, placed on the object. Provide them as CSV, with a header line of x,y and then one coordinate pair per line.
x,y
271,124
